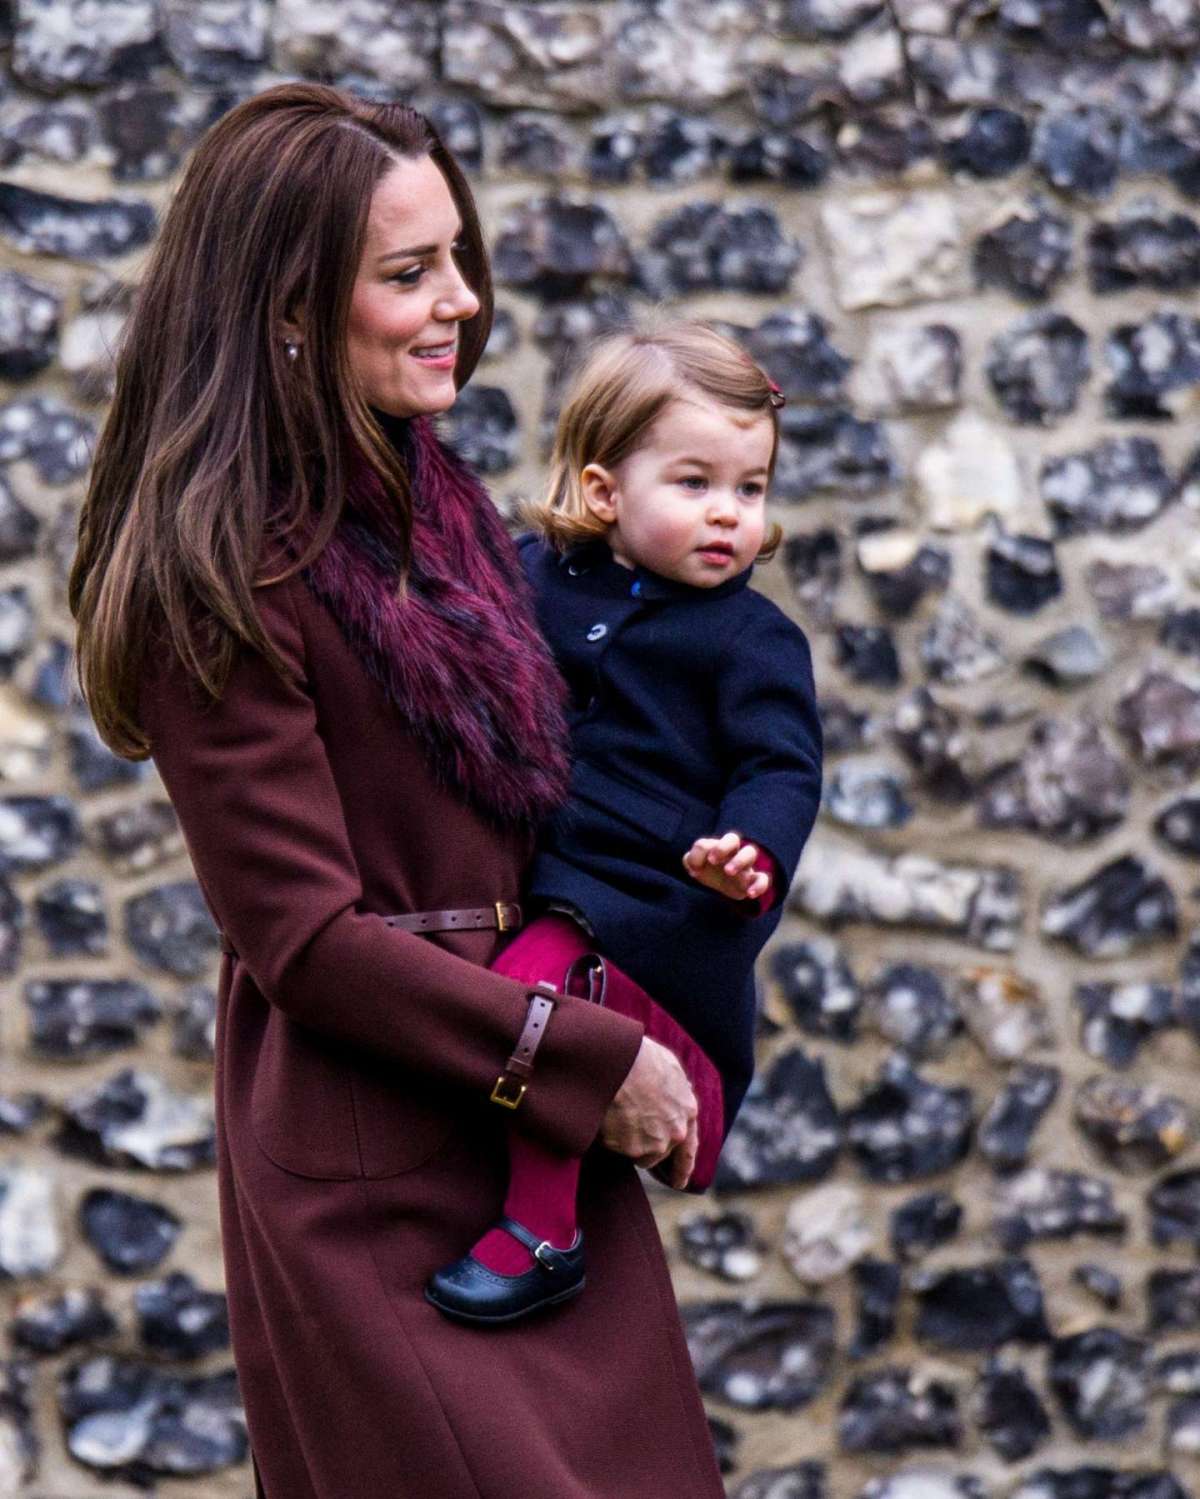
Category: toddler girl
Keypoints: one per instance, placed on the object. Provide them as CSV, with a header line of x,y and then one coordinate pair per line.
x,y
696,754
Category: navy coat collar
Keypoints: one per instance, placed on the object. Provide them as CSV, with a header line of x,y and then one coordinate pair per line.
x,y
596,559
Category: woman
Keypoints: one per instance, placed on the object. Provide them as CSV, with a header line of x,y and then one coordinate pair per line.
x,y
305,609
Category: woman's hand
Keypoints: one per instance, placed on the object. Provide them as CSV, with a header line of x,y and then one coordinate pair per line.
x,y
726,865
654,1114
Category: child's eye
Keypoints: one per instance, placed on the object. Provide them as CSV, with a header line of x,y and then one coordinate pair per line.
x,y
752,490
693,481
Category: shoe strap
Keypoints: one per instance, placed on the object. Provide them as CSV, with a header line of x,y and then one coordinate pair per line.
x,y
546,1255
587,978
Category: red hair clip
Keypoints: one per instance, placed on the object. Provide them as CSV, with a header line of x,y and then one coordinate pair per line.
x,y
778,398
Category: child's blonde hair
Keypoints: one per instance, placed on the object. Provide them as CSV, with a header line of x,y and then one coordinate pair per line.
x,y
621,389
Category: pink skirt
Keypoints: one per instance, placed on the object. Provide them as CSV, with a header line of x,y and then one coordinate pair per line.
x,y
547,947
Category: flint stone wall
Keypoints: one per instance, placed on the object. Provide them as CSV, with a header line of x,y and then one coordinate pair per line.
x,y
953,1247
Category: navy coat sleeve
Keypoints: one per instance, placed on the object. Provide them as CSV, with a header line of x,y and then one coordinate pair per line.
x,y
771,738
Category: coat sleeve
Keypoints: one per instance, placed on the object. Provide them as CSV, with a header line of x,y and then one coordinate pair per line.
x,y
771,739
256,798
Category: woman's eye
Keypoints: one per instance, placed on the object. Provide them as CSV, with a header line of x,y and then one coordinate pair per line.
x,y
413,275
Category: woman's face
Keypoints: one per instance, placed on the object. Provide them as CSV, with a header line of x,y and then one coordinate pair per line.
x,y
409,295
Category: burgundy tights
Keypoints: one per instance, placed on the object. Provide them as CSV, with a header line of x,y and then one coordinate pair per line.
x,y
541,1183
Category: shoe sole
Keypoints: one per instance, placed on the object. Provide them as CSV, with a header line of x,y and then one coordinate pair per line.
x,y
479,1321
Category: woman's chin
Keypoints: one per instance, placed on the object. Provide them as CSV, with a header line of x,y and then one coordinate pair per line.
x,y
426,402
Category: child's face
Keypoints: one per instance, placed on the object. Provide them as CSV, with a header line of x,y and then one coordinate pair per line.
x,y
689,503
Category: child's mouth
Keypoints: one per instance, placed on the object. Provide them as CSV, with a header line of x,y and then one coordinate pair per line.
x,y
719,552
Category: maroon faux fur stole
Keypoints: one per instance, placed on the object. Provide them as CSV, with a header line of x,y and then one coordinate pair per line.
x,y
460,655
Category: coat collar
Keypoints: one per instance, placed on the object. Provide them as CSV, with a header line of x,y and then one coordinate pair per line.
x,y
458,652
595,558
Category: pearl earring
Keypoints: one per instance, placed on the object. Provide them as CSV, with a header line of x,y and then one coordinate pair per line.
x,y
292,350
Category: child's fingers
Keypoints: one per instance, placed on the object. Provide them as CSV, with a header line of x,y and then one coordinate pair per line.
x,y
724,847
759,885
697,855
742,860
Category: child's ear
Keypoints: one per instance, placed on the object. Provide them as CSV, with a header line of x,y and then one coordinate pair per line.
x,y
599,492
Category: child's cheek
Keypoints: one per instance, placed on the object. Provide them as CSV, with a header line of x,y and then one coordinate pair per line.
x,y
670,532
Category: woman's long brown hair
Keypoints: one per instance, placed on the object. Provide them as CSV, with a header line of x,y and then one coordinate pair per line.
x,y
216,441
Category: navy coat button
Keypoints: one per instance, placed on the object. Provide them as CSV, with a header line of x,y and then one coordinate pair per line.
x,y
597,632
572,570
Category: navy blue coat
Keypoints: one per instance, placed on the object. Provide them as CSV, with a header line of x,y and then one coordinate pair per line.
x,y
692,713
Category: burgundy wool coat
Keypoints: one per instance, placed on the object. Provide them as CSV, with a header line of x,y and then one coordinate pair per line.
x,y
357,1147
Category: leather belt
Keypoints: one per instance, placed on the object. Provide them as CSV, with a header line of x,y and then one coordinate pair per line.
x,y
509,1088
500,916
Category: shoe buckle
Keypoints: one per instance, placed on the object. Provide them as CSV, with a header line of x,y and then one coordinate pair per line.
x,y
541,1259
507,1099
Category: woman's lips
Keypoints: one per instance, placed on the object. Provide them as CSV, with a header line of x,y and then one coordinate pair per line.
x,y
437,356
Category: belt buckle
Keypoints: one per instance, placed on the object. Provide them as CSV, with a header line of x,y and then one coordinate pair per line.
x,y
503,921
506,1100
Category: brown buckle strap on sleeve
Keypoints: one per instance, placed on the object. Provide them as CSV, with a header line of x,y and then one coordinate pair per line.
x,y
500,916
509,1088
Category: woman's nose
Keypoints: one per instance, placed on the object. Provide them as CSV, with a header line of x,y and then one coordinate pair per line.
x,y
459,301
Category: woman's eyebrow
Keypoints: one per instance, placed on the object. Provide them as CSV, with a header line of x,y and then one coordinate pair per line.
x,y
414,252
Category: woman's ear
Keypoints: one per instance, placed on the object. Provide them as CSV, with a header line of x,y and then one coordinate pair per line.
x,y
291,328
599,492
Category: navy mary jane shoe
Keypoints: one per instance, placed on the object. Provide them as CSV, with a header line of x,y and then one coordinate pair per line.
x,y
469,1292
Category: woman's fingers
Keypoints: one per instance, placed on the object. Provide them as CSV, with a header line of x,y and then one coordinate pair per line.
x,y
653,1109
683,1157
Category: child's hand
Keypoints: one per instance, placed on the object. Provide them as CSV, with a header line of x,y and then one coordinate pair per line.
x,y
726,865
